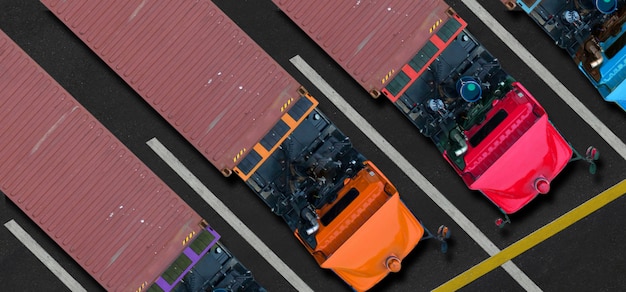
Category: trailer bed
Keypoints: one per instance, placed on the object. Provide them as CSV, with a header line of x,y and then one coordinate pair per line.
x,y
81,185
371,40
193,65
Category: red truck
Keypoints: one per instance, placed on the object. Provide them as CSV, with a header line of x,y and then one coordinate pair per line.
x,y
419,55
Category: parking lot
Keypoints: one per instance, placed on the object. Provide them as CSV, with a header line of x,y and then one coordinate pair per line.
x,y
585,255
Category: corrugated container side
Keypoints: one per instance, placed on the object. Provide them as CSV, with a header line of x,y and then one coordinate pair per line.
x,y
80,184
186,58
370,39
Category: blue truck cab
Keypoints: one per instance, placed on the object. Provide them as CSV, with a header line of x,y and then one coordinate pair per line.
x,y
593,34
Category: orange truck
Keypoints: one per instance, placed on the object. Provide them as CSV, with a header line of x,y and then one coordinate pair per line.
x,y
248,116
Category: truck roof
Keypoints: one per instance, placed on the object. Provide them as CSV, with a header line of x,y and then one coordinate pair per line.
x,y
371,40
81,185
522,150
193,64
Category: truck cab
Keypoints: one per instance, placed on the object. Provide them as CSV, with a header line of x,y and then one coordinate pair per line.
x,y
486,125
515,127
217,270
205,264
334,199
368,209
592,33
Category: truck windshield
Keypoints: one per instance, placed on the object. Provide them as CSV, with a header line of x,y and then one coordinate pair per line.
x,y
488,128
339,206
616,46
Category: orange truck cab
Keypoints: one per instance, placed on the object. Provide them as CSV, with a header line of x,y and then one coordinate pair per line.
x,y
340,206
368,209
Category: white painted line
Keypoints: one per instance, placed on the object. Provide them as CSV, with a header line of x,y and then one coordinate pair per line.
x,y
560,89
411,171
43,256
228,215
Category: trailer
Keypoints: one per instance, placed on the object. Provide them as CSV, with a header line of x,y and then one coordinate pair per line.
x,y
592,32
420,56
95,198
249,117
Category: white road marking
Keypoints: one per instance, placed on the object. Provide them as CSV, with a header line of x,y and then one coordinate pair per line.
x,y
547,77
411,171
43,256
228,215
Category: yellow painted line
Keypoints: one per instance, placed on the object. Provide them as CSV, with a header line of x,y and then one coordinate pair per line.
x,y
535,238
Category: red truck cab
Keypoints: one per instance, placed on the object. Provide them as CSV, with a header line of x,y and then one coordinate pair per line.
x,y
515,153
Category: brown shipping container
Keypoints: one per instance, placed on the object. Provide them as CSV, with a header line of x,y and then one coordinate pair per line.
x,y
190,62
370,39
81,185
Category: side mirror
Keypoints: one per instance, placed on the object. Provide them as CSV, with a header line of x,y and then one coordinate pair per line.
x,y
501,222
443,233
591,156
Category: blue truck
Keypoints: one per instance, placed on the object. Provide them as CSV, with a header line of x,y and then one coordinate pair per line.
x,y
593,34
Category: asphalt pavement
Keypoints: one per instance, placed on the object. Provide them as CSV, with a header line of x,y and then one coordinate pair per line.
x,y
588,256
